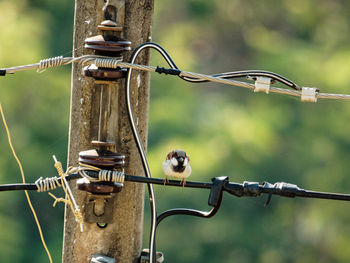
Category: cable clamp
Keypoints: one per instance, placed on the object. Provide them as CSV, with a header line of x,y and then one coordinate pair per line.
x,y
251,188
262,84
309,94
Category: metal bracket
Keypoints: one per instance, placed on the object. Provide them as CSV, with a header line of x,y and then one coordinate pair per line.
x,y
99,202
97,258
99,208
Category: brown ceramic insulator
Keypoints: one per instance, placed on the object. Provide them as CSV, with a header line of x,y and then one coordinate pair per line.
x,y
103,159
104,73
102,188
113,48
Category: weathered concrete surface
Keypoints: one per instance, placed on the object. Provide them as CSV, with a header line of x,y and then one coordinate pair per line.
x,y
122,238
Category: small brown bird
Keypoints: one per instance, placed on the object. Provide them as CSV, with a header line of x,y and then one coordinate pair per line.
x,y
177,165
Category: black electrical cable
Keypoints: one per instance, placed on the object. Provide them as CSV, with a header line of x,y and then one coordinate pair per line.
x,y
187,211
237,189
174,71
32,186
141,149
227,75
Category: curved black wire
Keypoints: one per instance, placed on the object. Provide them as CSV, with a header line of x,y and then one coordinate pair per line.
x,y
226,75
187,211
140,148
190,212
172,64
135,132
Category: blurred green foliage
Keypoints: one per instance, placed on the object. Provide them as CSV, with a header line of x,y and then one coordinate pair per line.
x,y
225,130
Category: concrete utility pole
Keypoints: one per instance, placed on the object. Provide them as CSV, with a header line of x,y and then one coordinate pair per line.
x,y
122,238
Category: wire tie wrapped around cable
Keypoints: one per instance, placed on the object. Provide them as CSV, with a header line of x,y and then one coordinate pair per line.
x,y
49,63
309,94
262,84
107,62
47,184
111,176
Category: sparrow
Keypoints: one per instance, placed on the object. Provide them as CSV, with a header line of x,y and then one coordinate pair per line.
x,y
177,165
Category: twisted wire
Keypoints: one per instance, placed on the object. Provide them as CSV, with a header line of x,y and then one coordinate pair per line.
x,y
103,175
47,184
111,176
107,63
50,62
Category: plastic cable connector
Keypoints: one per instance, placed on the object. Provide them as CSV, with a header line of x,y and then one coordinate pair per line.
x,y
308,94
167,71
262,84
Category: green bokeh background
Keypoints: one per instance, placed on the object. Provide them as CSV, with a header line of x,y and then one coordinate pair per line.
x,y
225,130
